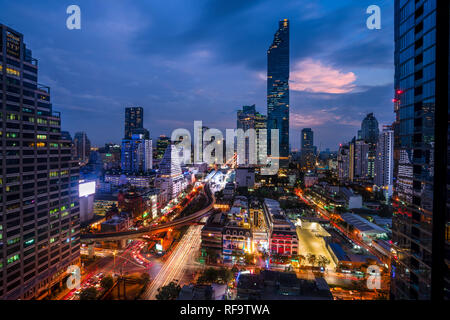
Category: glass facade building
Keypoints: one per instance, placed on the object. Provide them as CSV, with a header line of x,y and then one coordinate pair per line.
x,y
278,91
136,154
419,221
134,119
308,156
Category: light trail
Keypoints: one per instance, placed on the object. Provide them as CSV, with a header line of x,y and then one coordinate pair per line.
x,y
175,266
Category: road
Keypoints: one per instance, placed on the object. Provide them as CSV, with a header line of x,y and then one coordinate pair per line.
x,y
175,267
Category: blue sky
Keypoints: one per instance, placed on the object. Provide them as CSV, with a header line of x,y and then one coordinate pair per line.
x,y
186,60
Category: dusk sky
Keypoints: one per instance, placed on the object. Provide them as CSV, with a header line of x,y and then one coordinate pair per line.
x,y
186,60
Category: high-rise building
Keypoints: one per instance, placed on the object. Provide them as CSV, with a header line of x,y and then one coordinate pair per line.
x,y
141,131
343,162
82,147
170,178
369,133
136,154
359,160
278,91
369,129
39,219
307,138
308,152
249,118
384,162
134,119
419,268
161,145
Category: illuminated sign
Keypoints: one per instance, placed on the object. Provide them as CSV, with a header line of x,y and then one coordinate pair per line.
x,y
86,189
158,247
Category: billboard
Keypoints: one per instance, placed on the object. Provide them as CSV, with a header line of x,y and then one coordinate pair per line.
x,y
86,188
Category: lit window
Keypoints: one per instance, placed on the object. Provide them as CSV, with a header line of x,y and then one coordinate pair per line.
x,y
13,71
13,258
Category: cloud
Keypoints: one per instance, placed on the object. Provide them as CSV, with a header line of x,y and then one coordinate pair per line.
x,y
311,75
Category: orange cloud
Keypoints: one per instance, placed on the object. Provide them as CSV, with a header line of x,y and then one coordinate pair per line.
x,y
312,76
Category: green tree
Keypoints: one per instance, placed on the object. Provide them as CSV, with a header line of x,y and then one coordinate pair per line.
x,y
322,261
225,274
107,283
88,294
169,292
301,259
311,259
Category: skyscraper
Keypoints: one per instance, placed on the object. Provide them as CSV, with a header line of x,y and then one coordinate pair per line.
x,y
308,156
343,163
359,160
136,154
369,133
278,91
82,147
384,162
134,119
170,179
369,129
39,219
161,145
249,118
420,243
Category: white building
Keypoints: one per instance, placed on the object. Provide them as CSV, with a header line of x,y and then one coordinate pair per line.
x,y
171,180
353,200
86,193
384,162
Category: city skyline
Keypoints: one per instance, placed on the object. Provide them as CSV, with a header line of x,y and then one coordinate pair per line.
x,y
118,183
202,84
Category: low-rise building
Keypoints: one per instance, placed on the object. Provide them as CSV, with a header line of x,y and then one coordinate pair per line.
x,y
212,236
117,223
363,229
283,238
196,292
245,177
275,285
353,200
228,191
116,179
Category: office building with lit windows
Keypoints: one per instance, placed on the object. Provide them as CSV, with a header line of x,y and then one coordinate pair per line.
x,y
249,118
134,119
136,154
39,210
384,162
307,155
82,147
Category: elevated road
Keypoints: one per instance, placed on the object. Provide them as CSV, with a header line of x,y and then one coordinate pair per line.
x,y
133,234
